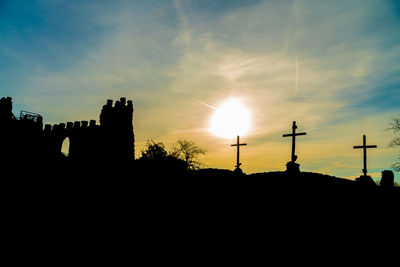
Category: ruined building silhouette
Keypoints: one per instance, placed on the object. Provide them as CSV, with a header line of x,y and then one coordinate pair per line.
x,y
24,138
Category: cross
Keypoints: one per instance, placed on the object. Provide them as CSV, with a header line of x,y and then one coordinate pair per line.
x,y
293,135
237,151
364,147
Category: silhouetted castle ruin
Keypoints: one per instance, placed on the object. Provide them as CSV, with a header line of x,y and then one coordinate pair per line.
x,y
26,139
101,166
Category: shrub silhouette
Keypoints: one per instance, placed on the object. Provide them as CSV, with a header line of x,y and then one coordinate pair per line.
x,y
154,151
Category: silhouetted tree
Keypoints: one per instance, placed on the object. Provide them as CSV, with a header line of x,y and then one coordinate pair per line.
x,y
155,161
154,151
189,152
395,126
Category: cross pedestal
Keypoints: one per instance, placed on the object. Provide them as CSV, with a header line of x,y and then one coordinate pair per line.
x,y
292,168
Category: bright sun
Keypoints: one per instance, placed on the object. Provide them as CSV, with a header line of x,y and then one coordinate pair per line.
x,y
230,119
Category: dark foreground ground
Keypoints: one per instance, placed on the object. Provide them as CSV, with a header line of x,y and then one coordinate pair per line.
x,y
64,212
159,182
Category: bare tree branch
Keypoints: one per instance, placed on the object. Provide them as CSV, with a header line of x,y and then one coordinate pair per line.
x,y
396,166
395,142
395,126
189,152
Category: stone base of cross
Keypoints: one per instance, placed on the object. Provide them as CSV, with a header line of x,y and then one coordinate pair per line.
x,y
365,180
238,170
292,168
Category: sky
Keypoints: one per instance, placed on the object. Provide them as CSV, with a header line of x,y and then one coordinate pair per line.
x,y
332,66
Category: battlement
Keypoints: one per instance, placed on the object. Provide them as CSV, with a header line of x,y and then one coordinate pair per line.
x,y
119,115
70,126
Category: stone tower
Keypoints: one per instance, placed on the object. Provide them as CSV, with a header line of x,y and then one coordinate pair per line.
x,y
116,124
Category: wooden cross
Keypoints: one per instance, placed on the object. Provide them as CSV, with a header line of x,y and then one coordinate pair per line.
x,y
293,135
238,144
364,147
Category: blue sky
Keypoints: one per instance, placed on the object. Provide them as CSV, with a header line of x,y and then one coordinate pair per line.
x,y
334,66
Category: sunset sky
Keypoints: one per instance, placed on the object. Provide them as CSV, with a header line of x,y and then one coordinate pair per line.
x,y
333,66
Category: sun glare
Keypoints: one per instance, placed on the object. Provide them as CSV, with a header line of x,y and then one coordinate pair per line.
x,y
232,118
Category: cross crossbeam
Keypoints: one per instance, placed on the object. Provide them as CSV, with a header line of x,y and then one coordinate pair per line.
x,y
364,147
238,144
293,135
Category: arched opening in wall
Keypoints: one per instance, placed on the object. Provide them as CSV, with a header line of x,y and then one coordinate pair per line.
x,y
65,147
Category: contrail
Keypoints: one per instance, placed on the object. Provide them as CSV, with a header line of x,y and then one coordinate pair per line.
x,y
296,82
205,104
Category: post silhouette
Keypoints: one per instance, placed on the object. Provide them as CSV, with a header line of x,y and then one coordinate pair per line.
x,y
364,147
293,135
238,144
